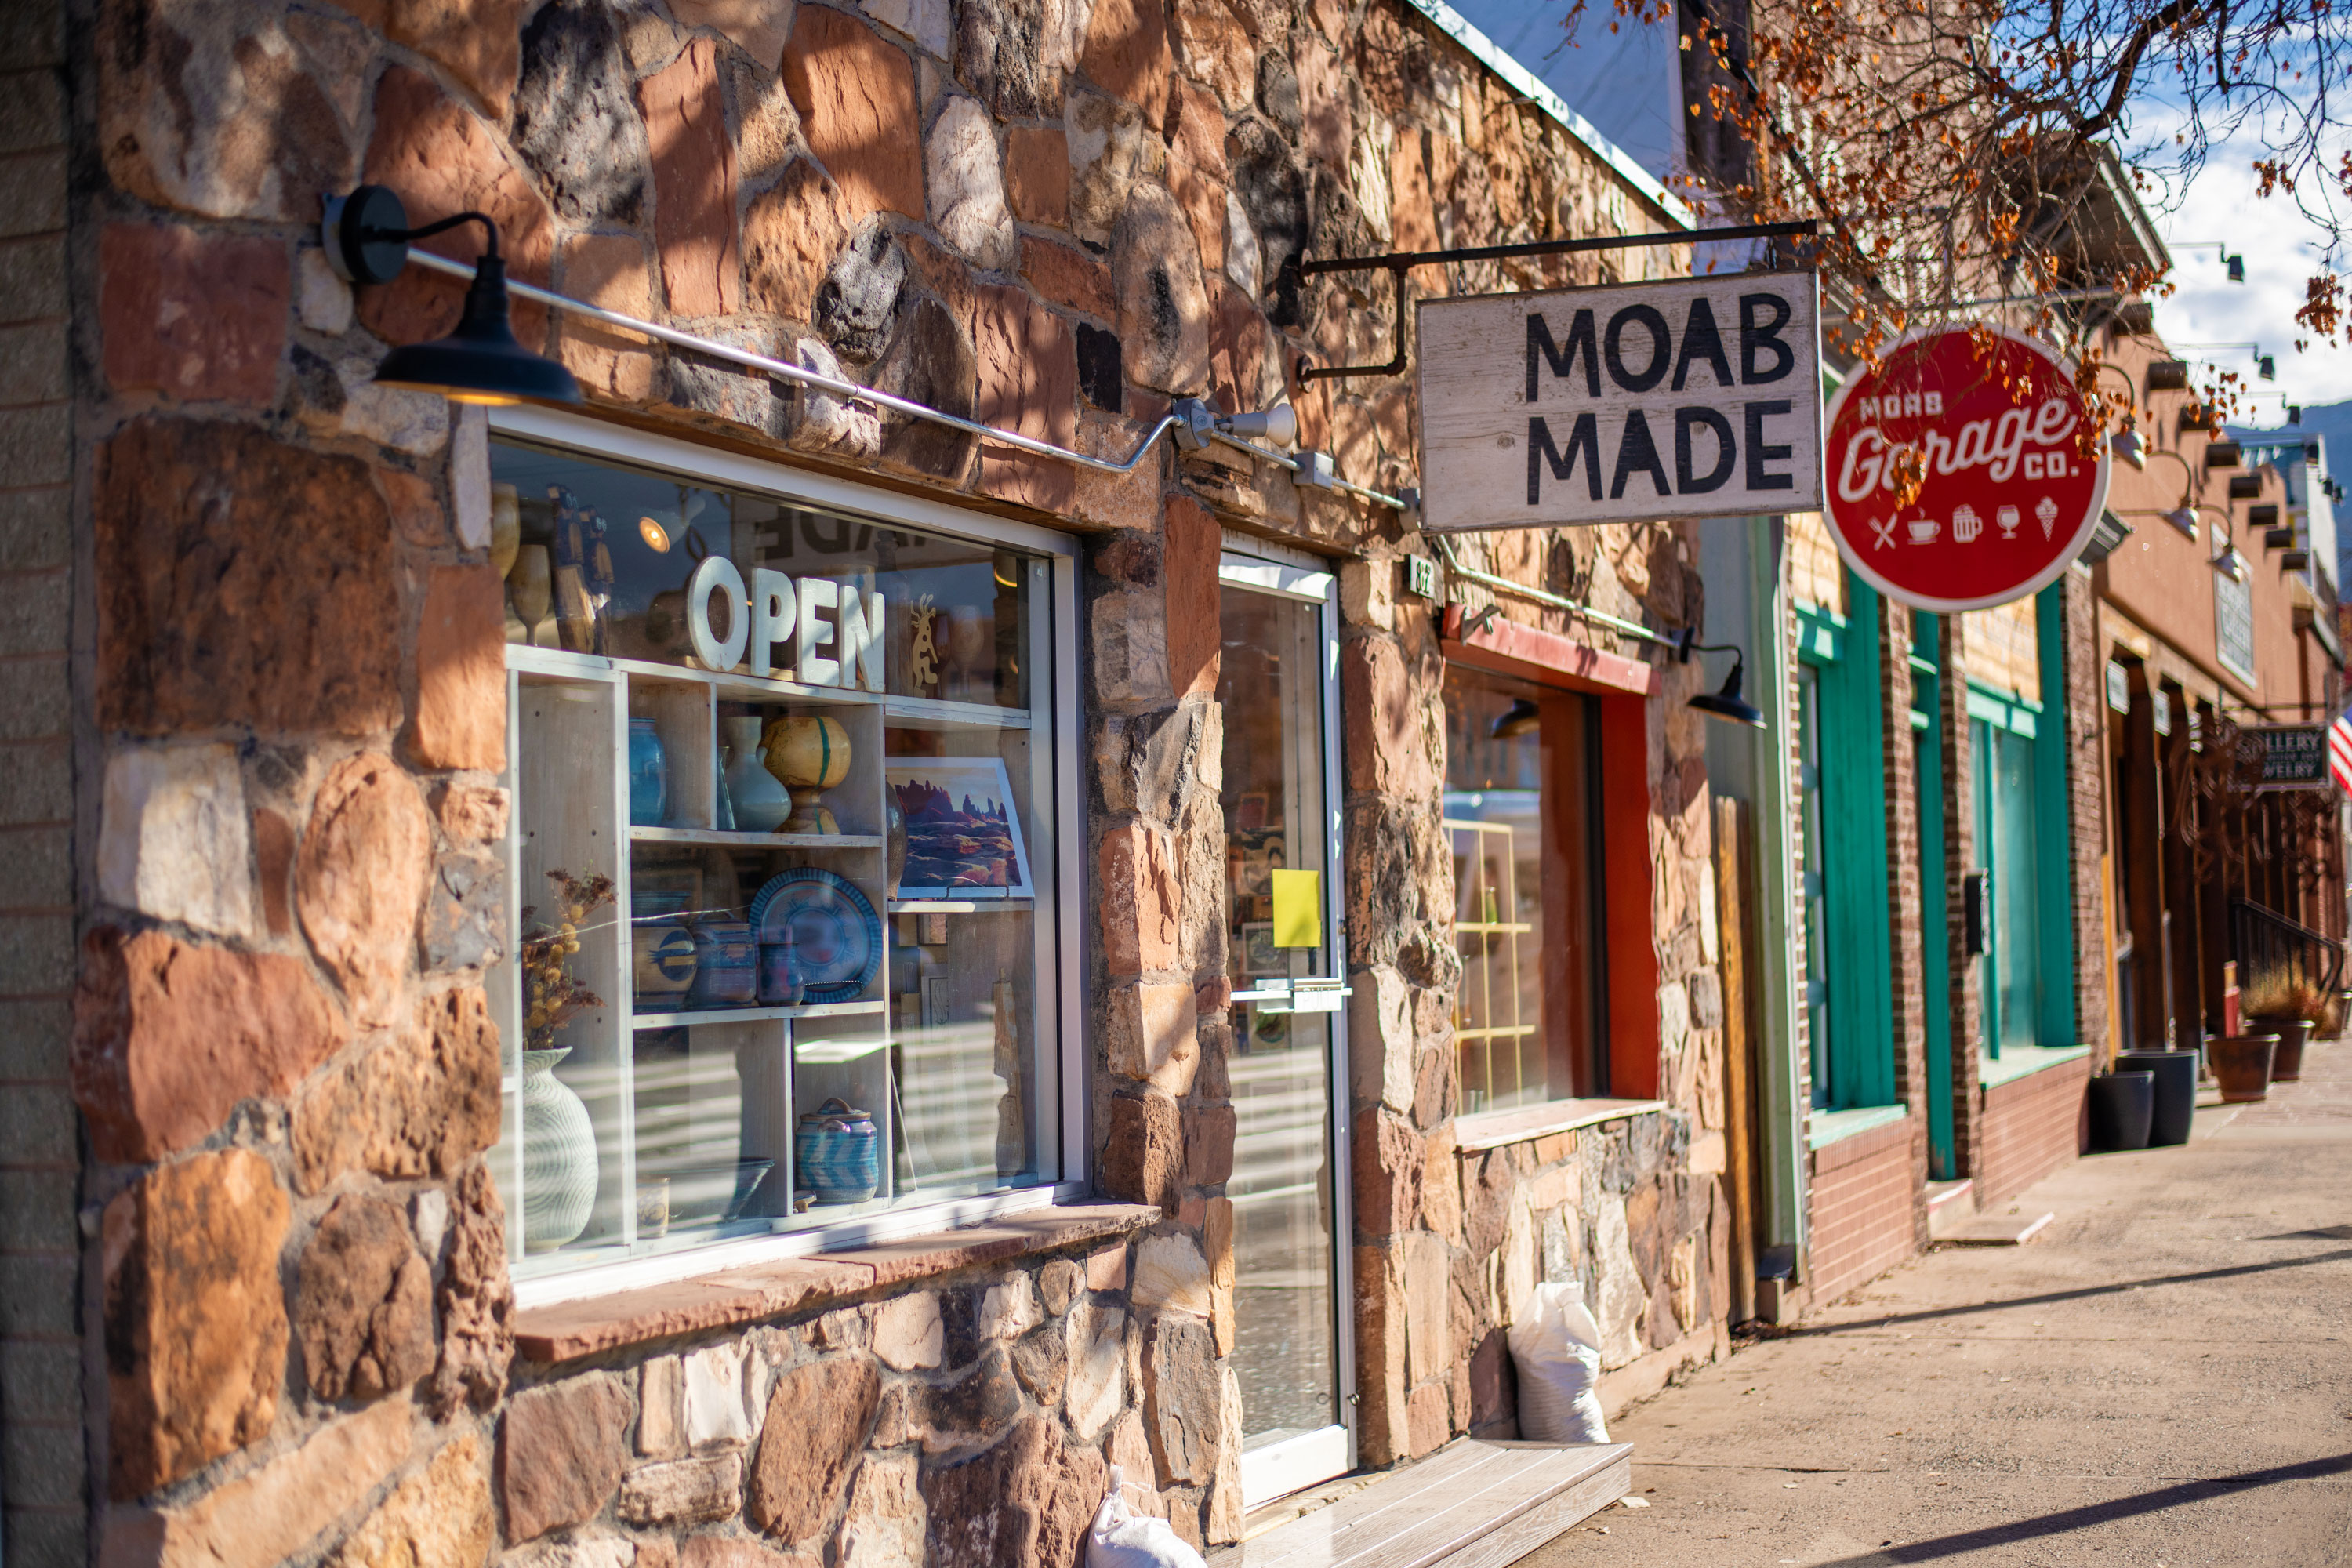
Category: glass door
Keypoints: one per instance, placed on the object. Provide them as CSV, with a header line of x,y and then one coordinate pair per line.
x,y
1276,683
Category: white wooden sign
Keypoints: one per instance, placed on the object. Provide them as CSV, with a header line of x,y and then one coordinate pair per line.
x,y
1692,397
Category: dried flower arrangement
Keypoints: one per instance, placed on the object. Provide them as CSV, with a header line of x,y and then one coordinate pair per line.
x,y
553,996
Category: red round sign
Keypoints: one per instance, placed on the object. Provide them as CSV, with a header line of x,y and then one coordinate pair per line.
x,y
2006,500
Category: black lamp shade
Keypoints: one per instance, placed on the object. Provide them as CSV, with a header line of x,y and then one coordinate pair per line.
x,y
1728,704
1519,718
480,361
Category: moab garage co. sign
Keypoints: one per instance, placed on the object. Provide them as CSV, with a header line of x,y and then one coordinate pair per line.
x,y
1695,397
1994,438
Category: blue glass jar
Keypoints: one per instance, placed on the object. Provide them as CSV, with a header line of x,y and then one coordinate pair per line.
x,y
838,1151
648,775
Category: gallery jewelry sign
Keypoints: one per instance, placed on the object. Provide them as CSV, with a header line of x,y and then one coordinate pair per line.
x,y
1695,397
1987,430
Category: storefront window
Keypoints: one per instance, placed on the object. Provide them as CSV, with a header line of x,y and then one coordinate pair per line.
x,y
1519,769
781,861
2013,938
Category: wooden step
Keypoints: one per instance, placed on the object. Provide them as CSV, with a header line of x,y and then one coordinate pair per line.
x,y
1475,1504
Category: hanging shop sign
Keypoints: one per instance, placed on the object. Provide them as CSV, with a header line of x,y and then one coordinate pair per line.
x,y
2005,498
2295,757
1633,402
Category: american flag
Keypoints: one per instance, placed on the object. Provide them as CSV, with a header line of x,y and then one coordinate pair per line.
x,y
2340,751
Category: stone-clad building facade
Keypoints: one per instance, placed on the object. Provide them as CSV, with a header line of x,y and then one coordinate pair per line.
x,y
265,1313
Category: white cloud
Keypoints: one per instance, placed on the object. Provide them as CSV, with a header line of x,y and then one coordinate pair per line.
x,y
2282,252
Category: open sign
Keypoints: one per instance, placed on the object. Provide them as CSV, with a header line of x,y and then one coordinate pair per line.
x,y
834,628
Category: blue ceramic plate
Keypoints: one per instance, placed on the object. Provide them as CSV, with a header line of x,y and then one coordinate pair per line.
x,y
836,935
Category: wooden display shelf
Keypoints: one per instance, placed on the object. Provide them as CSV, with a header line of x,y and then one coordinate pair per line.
x,y
741,840
757,1015
933,713
958,906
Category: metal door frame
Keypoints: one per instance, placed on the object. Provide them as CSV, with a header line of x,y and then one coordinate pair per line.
x,y
1256,566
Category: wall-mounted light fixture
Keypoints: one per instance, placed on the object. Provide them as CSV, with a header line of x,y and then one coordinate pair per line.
x,y
1729,703
1521,718
366,235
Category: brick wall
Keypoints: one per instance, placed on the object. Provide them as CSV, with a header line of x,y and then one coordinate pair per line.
x,y
2087,796
1905,914
1967,1002
1865,1192
41,1453
2029,1126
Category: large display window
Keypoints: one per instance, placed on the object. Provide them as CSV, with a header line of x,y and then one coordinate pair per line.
x,y
782,862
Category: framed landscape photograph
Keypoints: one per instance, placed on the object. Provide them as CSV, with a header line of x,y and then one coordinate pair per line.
x,y
963,831
1259,955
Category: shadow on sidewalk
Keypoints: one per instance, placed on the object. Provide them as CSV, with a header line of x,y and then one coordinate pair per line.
x,y
2090,1514
1809,1331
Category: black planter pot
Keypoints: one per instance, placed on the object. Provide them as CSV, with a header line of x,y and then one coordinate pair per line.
x,y
2176,1091
2121,1104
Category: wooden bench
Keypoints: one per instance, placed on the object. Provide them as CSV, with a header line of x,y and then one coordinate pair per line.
x,y
1475,1504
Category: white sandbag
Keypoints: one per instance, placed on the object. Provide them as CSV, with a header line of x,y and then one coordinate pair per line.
x,y
1123,1538
1556,1346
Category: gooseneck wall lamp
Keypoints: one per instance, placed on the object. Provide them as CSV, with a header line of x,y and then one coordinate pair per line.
x,y
1728,704
366,235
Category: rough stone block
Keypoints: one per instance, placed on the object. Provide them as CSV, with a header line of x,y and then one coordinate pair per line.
x,y
1181,1399
683,1491
195,1321
694,184
972,1411
364,1302
1028,383
1149,1037
1171,1274
1037,173
1029,1499
1394,728
576,118
422,1103
1112,146
1163,309
715,1416
1140,902
907,1331
168,1038
360,879
884,1520
1069,276
197,317
461,711
270,1514
1058,1284
172,837
1387,1170
1009,1310
205,618
561,1449
818,1420
476,1300
1209,1145
609,270
153,71
856,96
756,26
1126,50
1143,1157
1097,1386
438,1517
443,160
965,178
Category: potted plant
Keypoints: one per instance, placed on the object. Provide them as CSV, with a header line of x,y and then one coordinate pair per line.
x,y
2241,1064
2281,1002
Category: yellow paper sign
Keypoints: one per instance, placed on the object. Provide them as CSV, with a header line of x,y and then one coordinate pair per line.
x,y
1297,909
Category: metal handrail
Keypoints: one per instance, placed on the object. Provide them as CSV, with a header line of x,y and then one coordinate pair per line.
x,y
2263,937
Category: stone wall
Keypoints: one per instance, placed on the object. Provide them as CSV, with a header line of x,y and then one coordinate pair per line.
x,y
1045,215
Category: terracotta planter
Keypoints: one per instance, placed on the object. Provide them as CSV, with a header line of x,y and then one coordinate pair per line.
x,y
2294,1034
2241,1064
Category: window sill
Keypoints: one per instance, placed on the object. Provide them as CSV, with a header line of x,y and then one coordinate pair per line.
x,y
1830,1127
2022,1061
729,1297
1492,1129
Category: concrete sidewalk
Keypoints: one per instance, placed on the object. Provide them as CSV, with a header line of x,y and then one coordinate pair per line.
x,y
2163,1377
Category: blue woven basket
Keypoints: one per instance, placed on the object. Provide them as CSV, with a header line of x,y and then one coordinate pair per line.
x,y
838,1151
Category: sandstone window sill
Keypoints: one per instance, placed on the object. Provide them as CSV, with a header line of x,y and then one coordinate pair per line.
x,y
729,1297
1492,1129
2022,1061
